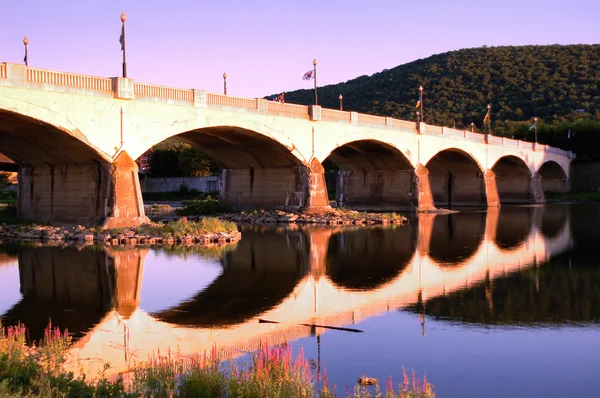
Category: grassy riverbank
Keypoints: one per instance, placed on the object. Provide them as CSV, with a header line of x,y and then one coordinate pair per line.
x,y
36,370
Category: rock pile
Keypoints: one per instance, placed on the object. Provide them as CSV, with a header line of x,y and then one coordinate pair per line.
x,y
122,236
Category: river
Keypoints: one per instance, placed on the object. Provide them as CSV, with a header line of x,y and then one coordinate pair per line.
x,y
488,304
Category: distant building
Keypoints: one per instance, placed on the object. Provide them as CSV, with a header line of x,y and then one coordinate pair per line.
x,y
144,162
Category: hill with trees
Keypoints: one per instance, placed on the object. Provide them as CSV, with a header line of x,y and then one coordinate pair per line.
x,y
558,84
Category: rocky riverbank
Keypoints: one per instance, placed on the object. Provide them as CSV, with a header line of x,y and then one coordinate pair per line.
x,y
181,232
331,217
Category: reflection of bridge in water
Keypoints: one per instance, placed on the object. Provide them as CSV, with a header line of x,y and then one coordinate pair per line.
x,y
322,276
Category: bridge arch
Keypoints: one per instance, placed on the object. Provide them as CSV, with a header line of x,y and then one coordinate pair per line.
x,y
258,168
372,174
513,179
456,179
63,177
554,178
38,137
223,122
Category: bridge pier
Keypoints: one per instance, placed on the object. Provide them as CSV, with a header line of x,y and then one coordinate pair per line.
x,y
125,206
537,191
63,193
491,189
87,194
317,197
421,195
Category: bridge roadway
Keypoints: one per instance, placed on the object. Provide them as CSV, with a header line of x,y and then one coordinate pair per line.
x,y
308,277
76,136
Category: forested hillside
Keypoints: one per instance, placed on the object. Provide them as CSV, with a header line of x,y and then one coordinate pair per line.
x,y
558,84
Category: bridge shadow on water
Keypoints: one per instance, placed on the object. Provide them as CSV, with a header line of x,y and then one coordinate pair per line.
x,y
296,276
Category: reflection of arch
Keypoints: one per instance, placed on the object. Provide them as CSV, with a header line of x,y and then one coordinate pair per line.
x,y
368,258
457,237
372,173
513,179
554,178
514,226
35,142
553,220
74,288
258,275
456,179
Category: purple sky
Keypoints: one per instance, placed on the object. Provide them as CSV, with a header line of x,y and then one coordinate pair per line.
x,y
266,45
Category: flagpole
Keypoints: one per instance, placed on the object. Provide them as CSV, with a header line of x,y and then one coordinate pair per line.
x,y
489,119
123,19
421,96
315,79
26,42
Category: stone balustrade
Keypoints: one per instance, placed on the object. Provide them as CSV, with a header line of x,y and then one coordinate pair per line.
x,y
21,75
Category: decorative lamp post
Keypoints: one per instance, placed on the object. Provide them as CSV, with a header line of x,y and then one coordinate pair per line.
x,y
224,83
535,119
25,43
340,97
472,127
123,19
315,79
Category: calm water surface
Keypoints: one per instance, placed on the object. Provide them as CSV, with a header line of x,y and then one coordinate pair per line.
x,y
488,304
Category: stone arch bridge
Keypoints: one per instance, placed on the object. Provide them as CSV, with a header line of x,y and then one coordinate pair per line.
x,y
76,138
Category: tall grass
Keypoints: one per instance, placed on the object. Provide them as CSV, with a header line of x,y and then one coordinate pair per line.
x,y
31,370
184,227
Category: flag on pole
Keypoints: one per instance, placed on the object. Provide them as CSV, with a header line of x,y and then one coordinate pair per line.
x,y
308,75
533,126
487,116
420,99
25,59
122,38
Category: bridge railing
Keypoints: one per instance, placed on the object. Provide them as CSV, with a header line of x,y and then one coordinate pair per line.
x,y
403,124
332,115
231,101
163,92
371,119
429,129
472,136
41,78
291,110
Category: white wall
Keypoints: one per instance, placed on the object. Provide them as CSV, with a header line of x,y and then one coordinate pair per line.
x,y
171,184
